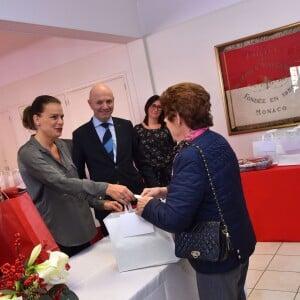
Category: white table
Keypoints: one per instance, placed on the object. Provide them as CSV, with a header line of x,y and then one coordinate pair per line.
x,y
94,275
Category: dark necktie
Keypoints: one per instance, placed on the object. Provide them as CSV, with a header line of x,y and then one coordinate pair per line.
x,y
107,141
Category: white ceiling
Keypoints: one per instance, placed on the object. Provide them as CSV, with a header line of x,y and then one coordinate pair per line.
x,y
11,41
153,15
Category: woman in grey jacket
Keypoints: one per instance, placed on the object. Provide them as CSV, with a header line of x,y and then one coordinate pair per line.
x,y
51,179
189,196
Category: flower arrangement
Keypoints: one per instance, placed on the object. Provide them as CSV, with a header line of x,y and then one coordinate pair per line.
x,y
27,280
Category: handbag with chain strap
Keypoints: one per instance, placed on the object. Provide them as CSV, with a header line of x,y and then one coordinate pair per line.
x,y
207,240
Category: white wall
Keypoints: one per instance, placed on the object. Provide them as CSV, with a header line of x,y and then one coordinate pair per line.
x,y
47,53
127,60
186,52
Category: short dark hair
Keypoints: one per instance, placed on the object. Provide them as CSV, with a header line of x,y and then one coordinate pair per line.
x,y
191,101
149,102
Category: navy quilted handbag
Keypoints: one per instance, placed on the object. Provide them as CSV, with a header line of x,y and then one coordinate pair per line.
x,y
207,240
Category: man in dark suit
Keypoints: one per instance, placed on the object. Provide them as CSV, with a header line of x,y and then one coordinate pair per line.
x,y
122,163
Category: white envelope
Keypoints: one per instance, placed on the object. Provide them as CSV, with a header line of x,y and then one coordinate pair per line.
x,y
131,225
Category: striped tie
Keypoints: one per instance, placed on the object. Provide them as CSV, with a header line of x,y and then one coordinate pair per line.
x,y
107,141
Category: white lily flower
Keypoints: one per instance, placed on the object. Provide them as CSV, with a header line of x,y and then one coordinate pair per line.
x,y
2,297
34,254
53,270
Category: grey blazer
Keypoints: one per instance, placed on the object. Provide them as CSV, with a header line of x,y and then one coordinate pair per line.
x,y
62,199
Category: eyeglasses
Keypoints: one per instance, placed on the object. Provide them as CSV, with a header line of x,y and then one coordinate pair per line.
x,y
154,106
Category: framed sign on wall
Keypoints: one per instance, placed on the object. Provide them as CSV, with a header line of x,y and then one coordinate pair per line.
x,y
260,79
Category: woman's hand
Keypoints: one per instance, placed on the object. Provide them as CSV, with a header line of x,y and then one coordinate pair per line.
x,y
142,202
120,193
157,192
112,205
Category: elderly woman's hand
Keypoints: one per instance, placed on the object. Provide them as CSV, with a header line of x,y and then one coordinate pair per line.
x,y
157,192
142,202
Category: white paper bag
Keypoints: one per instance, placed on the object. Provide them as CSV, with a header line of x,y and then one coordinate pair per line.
x,y
136,252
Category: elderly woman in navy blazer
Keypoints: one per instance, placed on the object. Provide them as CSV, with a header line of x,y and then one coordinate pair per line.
x,y
189,197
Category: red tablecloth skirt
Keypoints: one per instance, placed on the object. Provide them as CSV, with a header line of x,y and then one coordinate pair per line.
x,y
273,201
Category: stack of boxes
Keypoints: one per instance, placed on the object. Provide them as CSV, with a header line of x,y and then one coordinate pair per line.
x,y
283,145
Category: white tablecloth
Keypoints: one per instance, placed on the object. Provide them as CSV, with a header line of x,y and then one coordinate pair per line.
x,y
94,275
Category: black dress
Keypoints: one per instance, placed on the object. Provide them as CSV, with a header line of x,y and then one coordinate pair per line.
x,y
158,147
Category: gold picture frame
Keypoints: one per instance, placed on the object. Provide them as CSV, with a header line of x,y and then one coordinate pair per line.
x,y
260,80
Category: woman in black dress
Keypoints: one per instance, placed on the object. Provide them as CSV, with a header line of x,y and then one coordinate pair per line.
x,y
155,140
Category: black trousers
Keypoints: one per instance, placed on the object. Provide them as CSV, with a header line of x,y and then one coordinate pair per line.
x,y
70,251
100,215
223,286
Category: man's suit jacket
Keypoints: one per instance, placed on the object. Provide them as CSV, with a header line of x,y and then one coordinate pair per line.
x,y
131,168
